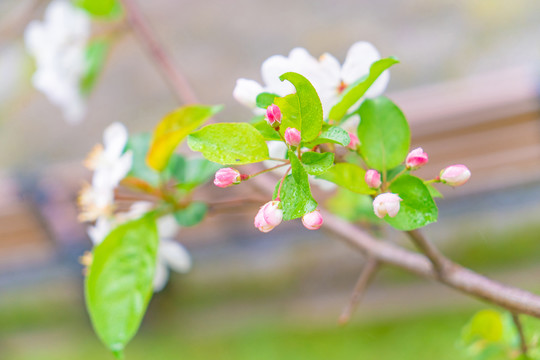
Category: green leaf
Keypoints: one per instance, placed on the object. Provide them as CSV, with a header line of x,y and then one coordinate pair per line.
x,y
417,208
352,206
295,196
349,176
265,99
139,144
317,163
229,143
433,191
193,173
95,56
383,133
119,282
193,214
268,132
111,9
173,128
311,113
355,91
331,134
486,325
290,112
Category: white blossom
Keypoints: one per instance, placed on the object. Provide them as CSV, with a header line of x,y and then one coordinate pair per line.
x,y
58,44
326,74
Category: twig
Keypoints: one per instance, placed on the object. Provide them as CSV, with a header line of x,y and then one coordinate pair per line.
x,y
440,262
176,80
368,272
522,339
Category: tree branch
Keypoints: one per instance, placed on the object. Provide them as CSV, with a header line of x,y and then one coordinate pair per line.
x,y
522,339
177,81
439,261
368,272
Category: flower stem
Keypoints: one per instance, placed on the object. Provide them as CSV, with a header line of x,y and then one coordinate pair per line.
x,y
281,183
269,169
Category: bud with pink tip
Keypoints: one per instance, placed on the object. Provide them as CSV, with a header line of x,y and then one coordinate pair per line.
x,y
455,175
293,136
416,159
387,203
273,115
313,220
353,144
373,179
227,177
269,216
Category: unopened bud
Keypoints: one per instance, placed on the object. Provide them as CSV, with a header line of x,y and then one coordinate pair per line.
x,y
293,136
269,216
353,144
455,175
416,159
273,115
227,177
387,203
373,179
312,220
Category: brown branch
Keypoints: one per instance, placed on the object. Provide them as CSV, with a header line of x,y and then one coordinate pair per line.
x,y
516,300
439,261
522,339
368,272
176,80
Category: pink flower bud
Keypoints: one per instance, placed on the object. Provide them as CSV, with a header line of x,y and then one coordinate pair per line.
x,y
227,177
312,220
416,159
455,175
373,179
293,136
273,115
269,216
353,144
386,203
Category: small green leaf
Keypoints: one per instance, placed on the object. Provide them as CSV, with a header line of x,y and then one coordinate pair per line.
x,y
265,99
311,113
95,56
290,111
193,172
193,214
173,128
331,134
352,206
139,144
355,91
349,176
486,325
119,282
317,163
433,191
111,9
417,208
383,133
230,143
268,132
295,196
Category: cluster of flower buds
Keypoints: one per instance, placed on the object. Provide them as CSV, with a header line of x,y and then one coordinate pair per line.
x,y
273,116
389,203
270,215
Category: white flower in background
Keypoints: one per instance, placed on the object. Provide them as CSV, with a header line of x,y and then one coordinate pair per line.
x,y
58,44
326,74
170,255
110,165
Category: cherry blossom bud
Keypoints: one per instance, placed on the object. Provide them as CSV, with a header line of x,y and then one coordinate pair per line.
x,y
227,177
312,220
269,216
386,203
373,179
273,115
455,175
293,136
416,159
353,144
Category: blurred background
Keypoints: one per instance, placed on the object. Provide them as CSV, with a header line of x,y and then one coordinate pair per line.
x,y
468,83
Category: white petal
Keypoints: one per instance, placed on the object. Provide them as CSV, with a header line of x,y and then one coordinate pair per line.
x,y
330,69
167,226
120,168
161,276
271,69
115,138
175,255
246,91
100,230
